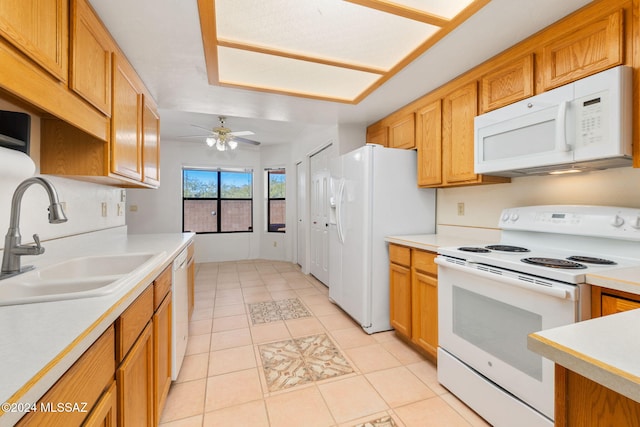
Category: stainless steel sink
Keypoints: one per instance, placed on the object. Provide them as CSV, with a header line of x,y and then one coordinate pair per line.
x,y
82,277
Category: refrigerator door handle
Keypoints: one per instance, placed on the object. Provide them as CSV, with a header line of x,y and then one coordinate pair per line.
x,y
339,211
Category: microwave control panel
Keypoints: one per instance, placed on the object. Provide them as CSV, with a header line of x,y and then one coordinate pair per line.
x,y
592,113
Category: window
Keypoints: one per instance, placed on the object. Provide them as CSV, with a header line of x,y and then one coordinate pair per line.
x,y
276,202
217,201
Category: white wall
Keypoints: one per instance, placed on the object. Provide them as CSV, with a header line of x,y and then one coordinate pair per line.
x,y
160,211
483,204
83,200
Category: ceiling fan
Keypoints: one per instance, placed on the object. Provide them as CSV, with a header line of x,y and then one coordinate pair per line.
x,y
224,138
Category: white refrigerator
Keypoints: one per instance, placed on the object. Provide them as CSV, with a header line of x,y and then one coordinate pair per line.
x,y
374,194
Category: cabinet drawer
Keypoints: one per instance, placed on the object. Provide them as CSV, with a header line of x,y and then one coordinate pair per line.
x,y
400,255
161,286
131,323
424,261
613,304
83,383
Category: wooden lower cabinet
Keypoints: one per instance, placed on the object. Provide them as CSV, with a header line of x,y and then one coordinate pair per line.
x,y
424,306
413,297
135,383
580,401
400,298
105,413
583,402
606,301
161,355
82,384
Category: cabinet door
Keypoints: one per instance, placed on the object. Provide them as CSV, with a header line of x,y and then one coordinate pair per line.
x,y
91,51
126,140
400,299
429,144
458,112
507,84
151,144
135,383
594,47
40,29
378,136
614,304
84,382
424,297
105,413
402,132
162,354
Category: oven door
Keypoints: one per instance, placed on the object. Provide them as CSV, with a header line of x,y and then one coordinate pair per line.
x,y
484,319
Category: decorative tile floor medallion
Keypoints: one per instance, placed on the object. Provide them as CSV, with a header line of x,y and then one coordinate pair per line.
x,y
273,311
380,422
301,361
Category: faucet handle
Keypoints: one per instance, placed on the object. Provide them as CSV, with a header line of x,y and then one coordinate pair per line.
x,y
38,247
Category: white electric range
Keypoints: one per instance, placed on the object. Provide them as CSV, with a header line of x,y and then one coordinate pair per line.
x,y
491,297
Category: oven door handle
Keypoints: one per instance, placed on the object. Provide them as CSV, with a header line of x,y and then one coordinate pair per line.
x,y
550,291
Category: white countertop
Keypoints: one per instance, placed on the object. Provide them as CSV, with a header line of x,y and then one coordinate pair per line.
x,y
605,349
431,242
41,341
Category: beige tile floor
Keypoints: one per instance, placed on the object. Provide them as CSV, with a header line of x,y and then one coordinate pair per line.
x,y
222,380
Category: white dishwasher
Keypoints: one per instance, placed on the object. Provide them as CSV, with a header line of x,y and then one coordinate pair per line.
x,y
179,313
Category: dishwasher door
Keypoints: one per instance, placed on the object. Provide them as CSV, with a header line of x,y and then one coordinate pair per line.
x,y
180,314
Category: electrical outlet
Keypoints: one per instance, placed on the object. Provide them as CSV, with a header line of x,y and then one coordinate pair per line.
x,y
133,208
64,207
104,208
460,209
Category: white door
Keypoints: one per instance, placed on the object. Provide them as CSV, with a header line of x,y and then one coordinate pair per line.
x,y
319,215
301,241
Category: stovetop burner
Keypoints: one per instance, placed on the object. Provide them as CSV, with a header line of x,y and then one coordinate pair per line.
x,y
591,260
554,263
507,248
474,249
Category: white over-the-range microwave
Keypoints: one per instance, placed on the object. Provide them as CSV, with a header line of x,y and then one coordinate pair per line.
x,y
584,125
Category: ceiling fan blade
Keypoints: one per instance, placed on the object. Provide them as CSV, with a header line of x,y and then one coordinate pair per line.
x,y
245,140
194,136
200,127
242,133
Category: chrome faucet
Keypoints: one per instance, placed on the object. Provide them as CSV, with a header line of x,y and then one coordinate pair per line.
x,y
13,249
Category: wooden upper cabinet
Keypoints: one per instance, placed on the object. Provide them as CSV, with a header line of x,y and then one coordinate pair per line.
x,y
429,144
378,135
91,51
126,135
150,143
402,132
593,47
40,30
507,84
458,111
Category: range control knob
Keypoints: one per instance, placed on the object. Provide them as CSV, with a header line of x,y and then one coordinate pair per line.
x,y
514,217
617,221
505,216
635,222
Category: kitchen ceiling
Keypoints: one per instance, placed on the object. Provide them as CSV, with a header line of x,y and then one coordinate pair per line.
x,y
323,49
163,41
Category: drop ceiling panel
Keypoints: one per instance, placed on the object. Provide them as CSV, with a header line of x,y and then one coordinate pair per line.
x,y
328,29
337,50
278,74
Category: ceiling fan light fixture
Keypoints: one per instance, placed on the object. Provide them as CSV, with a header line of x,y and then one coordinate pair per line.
x,y
210,141
233,144
221,146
